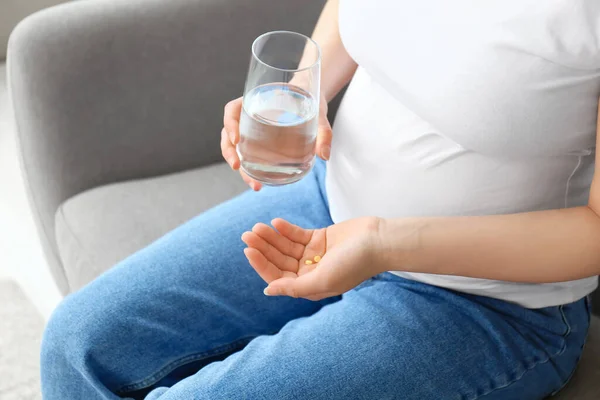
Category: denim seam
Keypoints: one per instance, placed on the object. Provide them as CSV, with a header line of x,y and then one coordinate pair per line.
x,y
531,367
164,371
589,314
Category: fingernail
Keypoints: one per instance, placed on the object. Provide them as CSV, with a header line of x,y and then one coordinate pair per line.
x,y
266,291
325,153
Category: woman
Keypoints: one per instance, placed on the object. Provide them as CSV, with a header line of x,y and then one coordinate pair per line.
x,y
462,162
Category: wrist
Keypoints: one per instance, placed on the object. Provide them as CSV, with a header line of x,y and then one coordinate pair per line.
x,y
398,242
382,257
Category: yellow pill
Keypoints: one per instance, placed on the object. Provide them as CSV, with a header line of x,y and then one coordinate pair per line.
x,y
317,258
307,262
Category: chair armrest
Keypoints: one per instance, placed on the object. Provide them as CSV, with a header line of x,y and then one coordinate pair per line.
x,y
111,90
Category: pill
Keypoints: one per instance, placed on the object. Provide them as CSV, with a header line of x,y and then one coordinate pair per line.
x,y
307,262
317,258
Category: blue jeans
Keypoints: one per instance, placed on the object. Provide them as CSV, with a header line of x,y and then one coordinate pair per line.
x,y
186,318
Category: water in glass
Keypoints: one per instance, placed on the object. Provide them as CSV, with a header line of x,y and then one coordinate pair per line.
x,y
278,130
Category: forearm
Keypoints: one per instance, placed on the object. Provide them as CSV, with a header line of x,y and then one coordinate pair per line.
x,y
337,67
536,247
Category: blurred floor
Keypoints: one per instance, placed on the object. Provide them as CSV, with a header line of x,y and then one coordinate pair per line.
x,y
20,334
21,257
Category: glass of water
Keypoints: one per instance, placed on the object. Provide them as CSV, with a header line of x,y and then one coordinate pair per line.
x,y
279,120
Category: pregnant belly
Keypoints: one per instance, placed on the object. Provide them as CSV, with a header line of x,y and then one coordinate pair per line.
x,y
389,185
387,161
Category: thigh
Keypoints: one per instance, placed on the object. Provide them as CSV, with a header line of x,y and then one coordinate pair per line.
x,y
189,296
397,339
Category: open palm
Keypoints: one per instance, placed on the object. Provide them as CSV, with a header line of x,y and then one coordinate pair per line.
x,y
280,257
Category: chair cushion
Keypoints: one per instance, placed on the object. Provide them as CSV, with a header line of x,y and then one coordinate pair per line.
x,y
585,384
100,227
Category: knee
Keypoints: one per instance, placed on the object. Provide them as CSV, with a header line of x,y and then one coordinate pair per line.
x,y
75,328
57,336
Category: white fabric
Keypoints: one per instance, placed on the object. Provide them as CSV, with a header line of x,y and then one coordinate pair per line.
x,y
468,107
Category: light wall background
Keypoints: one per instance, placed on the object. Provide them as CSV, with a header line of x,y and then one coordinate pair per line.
x,y
12,11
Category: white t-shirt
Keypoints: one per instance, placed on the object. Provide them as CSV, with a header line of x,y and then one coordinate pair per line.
x,y
468,107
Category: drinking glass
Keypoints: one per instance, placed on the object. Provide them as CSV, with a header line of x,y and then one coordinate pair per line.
x,y
279,119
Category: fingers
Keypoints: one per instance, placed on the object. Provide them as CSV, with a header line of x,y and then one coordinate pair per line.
x,y
254,185
273,255
230,136
280,242
263,267
231,120
293,232
228,151
317,244
231,156
324,135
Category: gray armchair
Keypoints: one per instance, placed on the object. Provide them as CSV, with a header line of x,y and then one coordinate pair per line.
x,y
119,109
109,95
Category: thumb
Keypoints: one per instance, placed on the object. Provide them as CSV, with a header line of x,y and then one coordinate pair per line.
x,y
306,285
324,137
